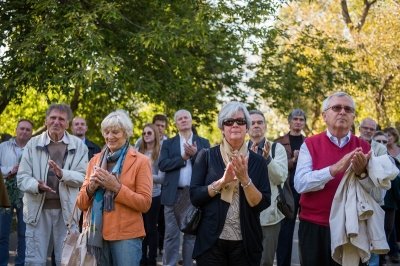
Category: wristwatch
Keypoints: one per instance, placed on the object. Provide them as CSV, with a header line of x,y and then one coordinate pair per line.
x,y
362,175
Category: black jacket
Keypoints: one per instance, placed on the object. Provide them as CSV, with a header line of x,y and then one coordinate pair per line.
x,y
214,209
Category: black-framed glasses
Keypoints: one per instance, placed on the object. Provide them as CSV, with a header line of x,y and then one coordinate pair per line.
x,y
381,141
230,121
148,133
337,108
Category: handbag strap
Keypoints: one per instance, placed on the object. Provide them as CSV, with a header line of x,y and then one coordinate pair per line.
x,y
71,219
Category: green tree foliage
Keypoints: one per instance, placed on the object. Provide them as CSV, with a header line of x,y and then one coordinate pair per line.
x,y
103,55
298,70
317,47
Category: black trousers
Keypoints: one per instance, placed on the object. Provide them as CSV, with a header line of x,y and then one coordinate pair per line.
x,y
315,245
224,253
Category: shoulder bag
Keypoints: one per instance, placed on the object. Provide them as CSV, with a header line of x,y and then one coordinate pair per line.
x,y
188,216
74,252
285,200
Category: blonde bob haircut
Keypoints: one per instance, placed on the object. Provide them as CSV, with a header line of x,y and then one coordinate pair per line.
x,y
118,119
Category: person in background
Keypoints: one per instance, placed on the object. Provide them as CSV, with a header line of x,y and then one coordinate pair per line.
x,y
292,142
322,162
393,197
161,122
367,130
230,185
393,142
277,172
79,129
176,160
150,146
10,156
51,170
117,188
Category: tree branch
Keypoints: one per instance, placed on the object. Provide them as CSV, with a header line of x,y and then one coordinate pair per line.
x,y
346,15
367,6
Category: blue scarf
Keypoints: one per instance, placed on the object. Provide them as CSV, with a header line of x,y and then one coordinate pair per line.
x,y
103,200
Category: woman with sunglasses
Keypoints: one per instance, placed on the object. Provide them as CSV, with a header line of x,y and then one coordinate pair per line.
x,y
150,146
230,185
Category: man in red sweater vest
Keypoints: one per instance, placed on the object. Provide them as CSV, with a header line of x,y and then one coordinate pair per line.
x,y
322,161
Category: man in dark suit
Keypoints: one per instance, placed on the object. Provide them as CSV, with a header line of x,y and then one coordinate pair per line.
x,y
176,159
79,129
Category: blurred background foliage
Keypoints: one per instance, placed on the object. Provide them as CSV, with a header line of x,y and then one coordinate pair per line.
x,y
151,57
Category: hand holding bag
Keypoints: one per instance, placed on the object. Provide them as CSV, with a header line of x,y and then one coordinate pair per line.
x,y
74,252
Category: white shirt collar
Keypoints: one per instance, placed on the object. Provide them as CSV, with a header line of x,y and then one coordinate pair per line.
x,y
339,142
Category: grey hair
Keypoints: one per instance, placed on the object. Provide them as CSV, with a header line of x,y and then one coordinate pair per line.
x,y
370,120
325,103
182,111
257,112
118,119
297,112
62,107
231,108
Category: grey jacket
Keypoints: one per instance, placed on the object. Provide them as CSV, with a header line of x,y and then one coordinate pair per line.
x,y
34,167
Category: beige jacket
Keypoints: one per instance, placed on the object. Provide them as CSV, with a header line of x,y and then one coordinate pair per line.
x,y
356,219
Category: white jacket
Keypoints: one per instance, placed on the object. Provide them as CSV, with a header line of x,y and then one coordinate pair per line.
x,y
356,219
34,167
277,172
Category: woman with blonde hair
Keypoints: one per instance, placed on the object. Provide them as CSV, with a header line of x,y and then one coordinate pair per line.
x,y
117,189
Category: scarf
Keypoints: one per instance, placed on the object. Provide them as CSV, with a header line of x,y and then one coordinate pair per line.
x,y
227,153
104,200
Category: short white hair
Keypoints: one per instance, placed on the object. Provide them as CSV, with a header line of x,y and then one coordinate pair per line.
x,y
118,119
182,111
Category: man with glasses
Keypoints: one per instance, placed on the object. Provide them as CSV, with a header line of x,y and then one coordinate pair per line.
x,y
367,130
271,217
322,162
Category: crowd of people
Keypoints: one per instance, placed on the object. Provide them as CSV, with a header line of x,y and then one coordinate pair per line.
x,y
127,194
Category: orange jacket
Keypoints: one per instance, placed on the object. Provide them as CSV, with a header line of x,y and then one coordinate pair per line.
x,y
133,199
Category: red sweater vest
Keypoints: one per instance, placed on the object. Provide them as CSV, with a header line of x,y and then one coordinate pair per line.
x,y
315,206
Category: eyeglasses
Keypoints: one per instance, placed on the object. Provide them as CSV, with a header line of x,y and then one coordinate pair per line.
x,y
230,121
381,141
259,122
368,128
148,133
338,108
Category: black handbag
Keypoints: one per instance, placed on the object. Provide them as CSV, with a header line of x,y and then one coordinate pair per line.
x,y
285,200
187,216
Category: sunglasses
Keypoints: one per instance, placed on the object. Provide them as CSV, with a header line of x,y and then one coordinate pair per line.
x,y
381,141
230,121
148,133
338,108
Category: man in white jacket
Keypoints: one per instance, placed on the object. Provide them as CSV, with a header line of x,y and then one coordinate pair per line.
x,y
52,169
271,217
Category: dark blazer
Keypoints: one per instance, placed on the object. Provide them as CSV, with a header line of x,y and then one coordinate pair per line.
x,y
171,162
92,148
214,210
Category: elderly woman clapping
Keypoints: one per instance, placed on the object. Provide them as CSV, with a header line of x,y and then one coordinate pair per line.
x,y
118,189
230,185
